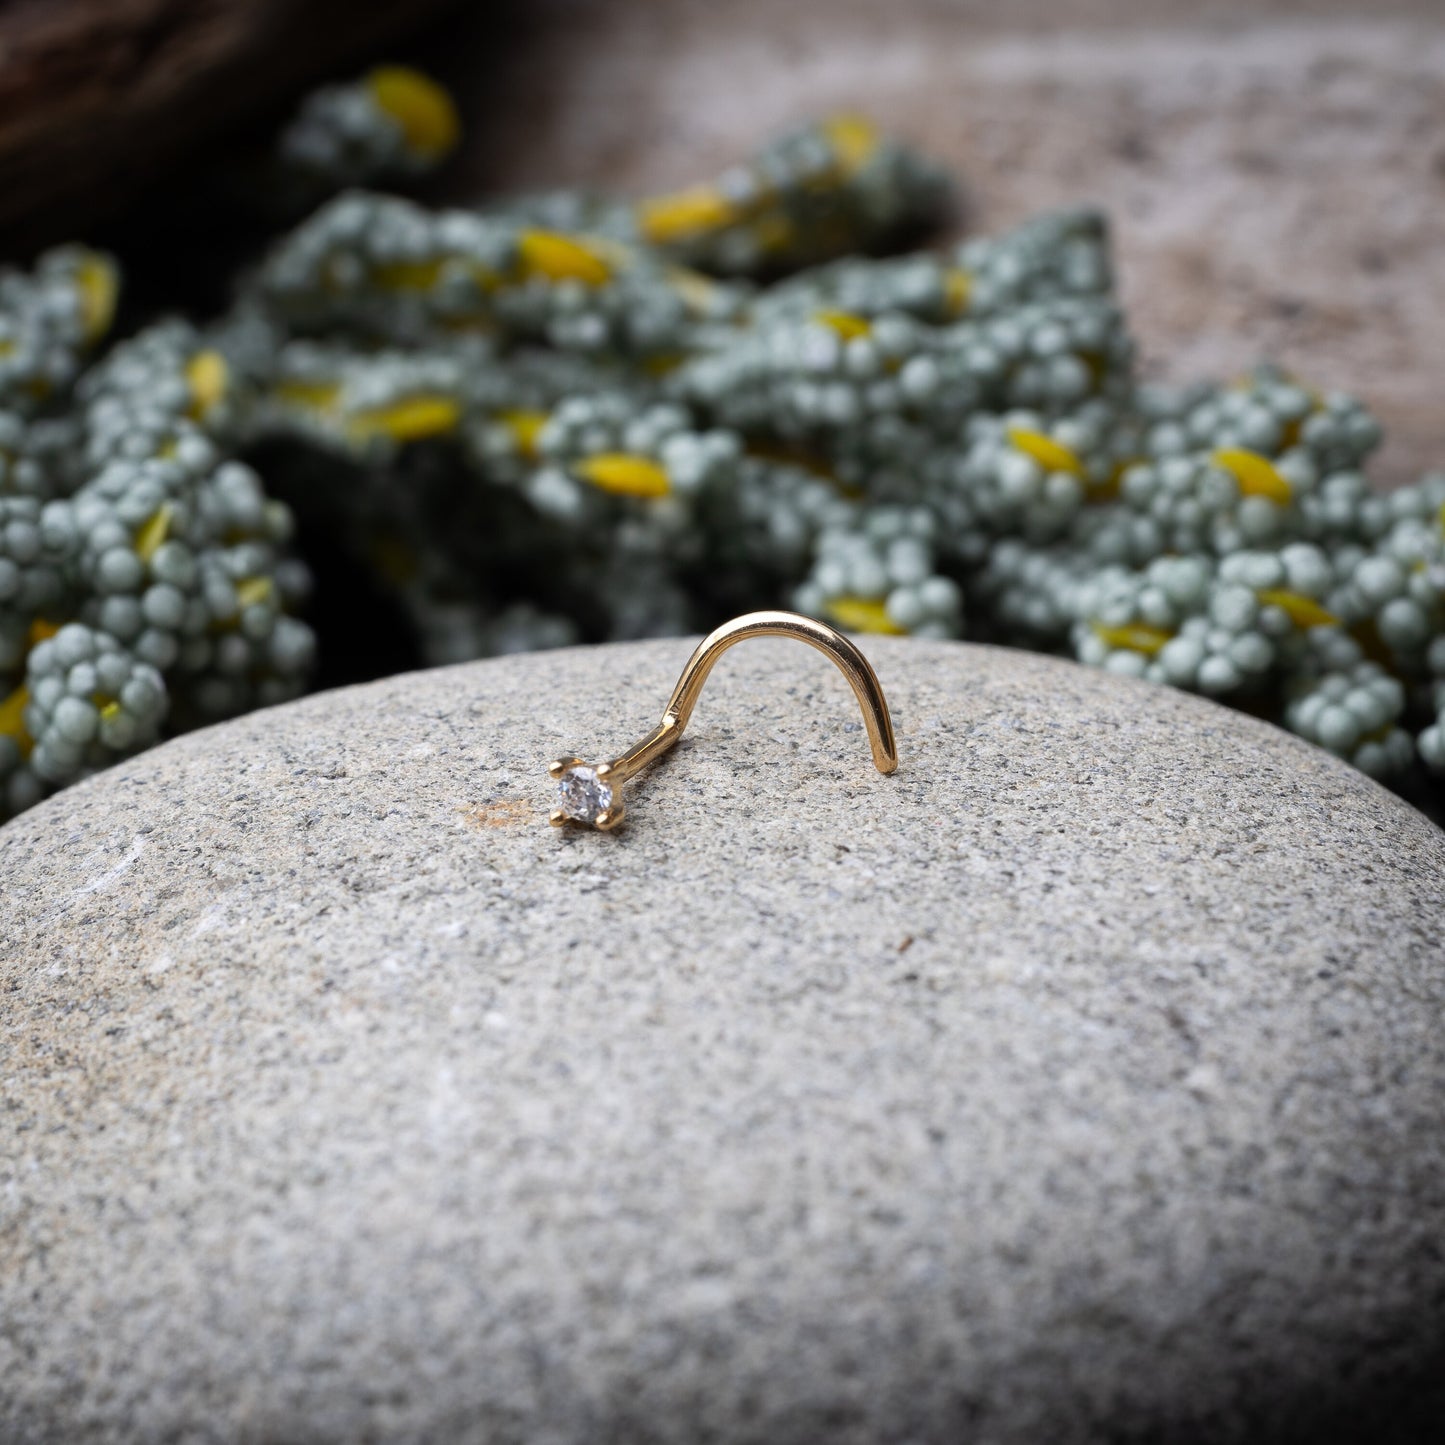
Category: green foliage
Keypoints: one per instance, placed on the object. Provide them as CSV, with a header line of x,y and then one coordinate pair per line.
x,y
566,417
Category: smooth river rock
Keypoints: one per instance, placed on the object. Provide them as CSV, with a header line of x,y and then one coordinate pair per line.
x,y
1083,1080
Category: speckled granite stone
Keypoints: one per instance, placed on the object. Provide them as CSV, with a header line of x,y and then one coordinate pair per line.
x,y
1082,1080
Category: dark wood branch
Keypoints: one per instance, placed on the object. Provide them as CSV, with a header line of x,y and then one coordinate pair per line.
x,y
99,97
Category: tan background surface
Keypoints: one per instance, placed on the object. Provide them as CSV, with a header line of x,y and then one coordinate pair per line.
x,y
1276,172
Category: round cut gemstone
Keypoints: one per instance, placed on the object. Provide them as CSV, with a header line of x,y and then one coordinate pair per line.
x,y
583,795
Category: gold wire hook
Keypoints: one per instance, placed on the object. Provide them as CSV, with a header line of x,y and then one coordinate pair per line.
x,y
593,795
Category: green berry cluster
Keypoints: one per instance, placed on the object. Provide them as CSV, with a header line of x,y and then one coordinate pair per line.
x,y
566,417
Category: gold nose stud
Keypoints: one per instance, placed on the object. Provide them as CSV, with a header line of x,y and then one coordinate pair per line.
x,y
592,795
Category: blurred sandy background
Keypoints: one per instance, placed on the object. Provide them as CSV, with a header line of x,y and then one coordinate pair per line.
x,y
1275,171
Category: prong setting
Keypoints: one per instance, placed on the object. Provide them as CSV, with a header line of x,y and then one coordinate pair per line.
x,y
582,795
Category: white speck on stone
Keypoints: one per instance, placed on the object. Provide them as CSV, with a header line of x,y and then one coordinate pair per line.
x,y
112,875
213,918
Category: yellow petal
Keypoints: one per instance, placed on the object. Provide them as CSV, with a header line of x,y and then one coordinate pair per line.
x,y
317,395
845,323
422,108
684,214
854,138
409,420
863,614
41,631
1302,611
1052,456
957,288
108,708
153,531
12,717
207,375
560,258
251,590
1132,637
99,284
524,426
1256,475
625,475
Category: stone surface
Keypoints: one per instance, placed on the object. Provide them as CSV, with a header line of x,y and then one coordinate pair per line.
x,y
1081,1080
1275,169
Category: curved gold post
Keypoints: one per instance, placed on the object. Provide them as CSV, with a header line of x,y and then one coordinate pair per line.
x,y
591,795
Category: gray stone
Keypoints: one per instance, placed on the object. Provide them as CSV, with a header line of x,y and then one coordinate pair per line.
x,y
1081,1080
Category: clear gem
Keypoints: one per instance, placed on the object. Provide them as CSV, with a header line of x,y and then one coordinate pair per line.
x,y
582,795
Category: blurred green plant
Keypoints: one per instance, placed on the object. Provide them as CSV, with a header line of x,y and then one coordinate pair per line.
x,y
565,417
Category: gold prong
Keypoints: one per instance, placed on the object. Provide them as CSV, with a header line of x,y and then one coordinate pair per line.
x,y
556,817
603,771
558,766
609,818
